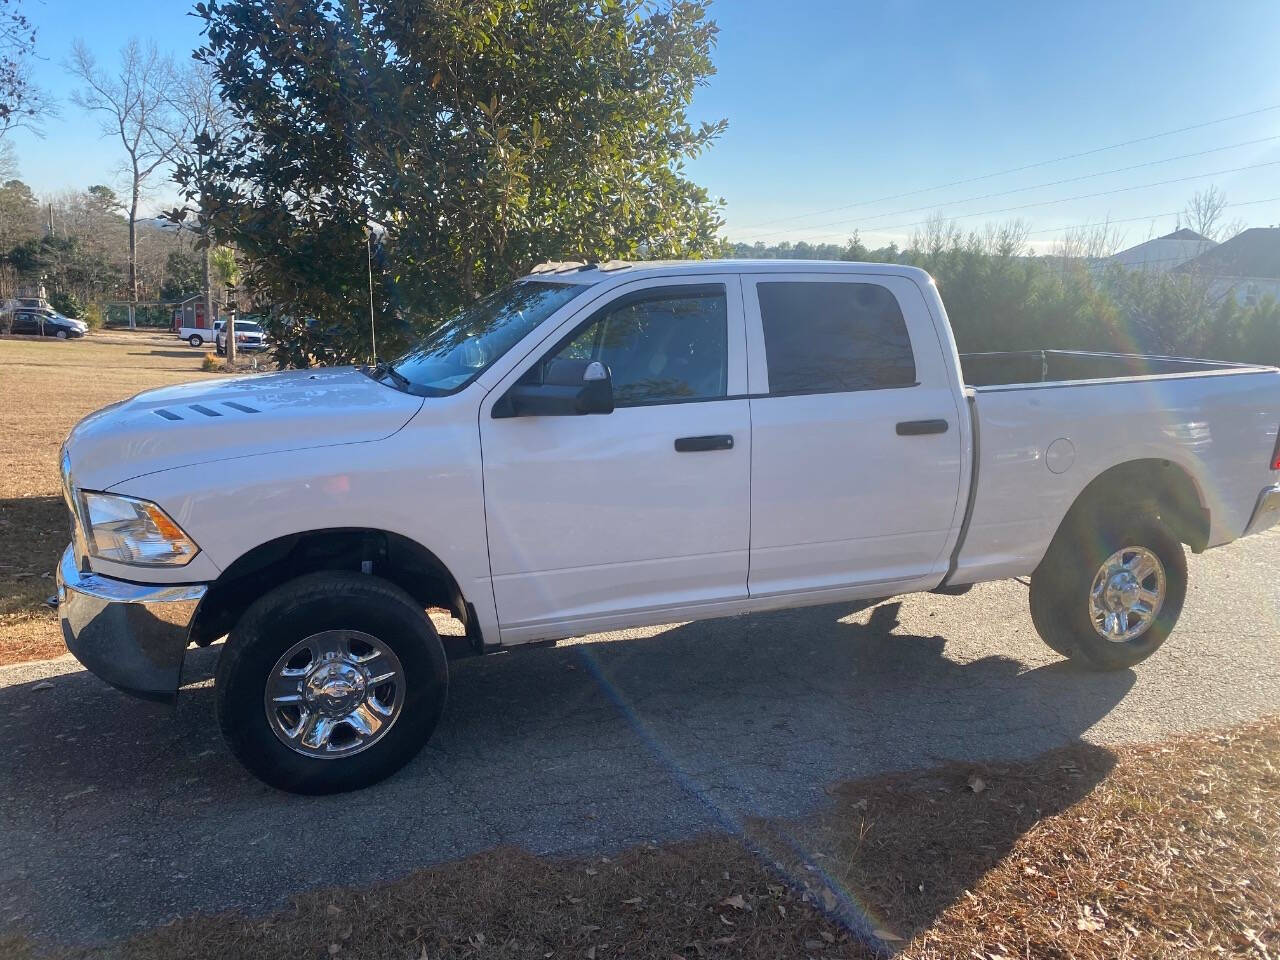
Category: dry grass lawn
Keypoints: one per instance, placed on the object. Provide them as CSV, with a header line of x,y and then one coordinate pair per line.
x,y
47,386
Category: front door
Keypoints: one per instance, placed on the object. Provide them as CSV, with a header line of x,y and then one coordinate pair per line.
x,y
599,518
856,439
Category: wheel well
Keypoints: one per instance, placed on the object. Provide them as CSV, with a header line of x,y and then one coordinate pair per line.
x,y
1160,482
396,558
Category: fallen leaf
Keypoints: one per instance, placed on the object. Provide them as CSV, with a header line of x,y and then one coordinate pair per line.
x,y
43,685
827,937
736,902
333,909
1089,923
886,935
976,784
334,949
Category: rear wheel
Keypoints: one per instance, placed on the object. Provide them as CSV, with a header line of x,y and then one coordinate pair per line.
x,y
331,682
1110,589
195,340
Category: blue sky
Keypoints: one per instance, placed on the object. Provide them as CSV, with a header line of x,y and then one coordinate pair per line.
x,y
832,103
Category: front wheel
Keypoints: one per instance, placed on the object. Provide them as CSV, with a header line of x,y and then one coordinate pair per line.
x,y
61,334
331,682
1108,593
196,340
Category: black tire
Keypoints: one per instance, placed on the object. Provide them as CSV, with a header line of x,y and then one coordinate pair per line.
x,y
221,352
61,334
1061,584
196,340
311,605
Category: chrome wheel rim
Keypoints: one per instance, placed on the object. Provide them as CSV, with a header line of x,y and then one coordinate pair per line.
x,y
1127,594
334,694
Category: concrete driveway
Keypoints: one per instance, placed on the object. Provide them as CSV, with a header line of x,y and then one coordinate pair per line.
x,y
116,814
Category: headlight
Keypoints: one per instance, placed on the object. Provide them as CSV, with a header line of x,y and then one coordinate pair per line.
x,y
127,530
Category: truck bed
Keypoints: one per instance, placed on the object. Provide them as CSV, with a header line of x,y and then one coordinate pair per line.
x,y
1039,441
1059,366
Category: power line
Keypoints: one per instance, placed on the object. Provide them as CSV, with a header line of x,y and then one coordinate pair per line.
x,y
1037,186
1029,166
1149,216
1045,203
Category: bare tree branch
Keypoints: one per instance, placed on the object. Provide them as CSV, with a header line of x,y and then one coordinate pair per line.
x,y
135,106
1203,213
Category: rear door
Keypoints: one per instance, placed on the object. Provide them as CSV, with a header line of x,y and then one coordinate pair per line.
x,y
856,438
595,519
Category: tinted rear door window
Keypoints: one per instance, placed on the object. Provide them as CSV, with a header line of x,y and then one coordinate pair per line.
x,y
829,337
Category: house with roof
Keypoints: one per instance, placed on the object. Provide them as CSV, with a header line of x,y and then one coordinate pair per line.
x,y
1247,266
1163,254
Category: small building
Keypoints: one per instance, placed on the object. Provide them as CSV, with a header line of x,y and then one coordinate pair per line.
x,y
1164,253
189,315
1247,266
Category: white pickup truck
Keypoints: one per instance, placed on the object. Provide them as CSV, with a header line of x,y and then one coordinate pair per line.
x,y
603,446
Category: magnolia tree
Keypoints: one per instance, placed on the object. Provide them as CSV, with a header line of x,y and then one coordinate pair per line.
x,y
472,138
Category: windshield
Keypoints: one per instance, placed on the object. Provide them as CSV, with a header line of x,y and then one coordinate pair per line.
x,y
468,343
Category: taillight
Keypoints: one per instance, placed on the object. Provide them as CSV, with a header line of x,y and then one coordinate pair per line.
x,y
1275,457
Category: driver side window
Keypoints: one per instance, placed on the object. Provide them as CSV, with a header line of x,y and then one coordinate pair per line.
x,y
660,345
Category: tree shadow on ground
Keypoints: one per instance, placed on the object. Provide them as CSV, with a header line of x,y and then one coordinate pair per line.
x,y
189,353
586,747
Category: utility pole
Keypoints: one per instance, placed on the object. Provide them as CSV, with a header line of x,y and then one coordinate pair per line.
x,y
230,327
208,294
373,333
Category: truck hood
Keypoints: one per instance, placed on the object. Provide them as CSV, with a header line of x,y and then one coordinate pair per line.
x,y
238,417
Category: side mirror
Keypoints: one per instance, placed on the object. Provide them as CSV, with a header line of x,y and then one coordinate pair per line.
x,y
568,388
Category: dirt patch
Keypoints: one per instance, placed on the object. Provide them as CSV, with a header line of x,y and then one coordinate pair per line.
x,y
49,385
1154,851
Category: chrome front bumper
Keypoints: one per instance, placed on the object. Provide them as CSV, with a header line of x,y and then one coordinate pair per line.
x,y
134,636
1267,513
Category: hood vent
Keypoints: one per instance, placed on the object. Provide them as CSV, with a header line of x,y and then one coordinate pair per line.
x,y
206,410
